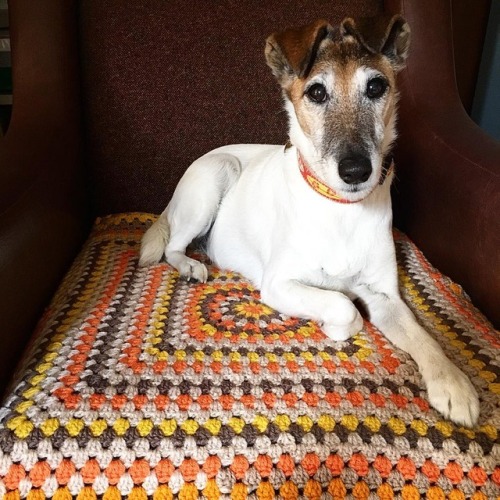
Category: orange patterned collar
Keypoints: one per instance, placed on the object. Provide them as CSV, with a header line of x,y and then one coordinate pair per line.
x,y
321,188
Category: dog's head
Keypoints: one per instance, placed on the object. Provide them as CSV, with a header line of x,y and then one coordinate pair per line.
x,y
340,92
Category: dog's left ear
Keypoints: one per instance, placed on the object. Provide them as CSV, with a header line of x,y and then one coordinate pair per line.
x,y
291,53
390,37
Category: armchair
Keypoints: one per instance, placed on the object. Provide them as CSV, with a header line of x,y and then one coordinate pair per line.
x,y
136,384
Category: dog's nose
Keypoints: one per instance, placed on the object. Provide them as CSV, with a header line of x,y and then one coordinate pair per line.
x,y
355,168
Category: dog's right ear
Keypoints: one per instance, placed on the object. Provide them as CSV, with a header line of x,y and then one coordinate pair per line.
x,y
291,53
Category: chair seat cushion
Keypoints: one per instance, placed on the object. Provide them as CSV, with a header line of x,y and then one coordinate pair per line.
x,y
140,384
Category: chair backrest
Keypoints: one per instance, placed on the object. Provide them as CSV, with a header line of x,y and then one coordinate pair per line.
x,y
166,81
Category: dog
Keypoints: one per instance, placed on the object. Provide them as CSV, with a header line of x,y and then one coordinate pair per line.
x,y
310,224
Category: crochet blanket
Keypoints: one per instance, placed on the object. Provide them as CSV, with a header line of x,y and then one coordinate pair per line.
x,y
140,385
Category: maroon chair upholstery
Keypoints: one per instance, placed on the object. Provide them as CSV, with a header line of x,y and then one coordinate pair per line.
x,y
161,90
449,178
44,214
112,101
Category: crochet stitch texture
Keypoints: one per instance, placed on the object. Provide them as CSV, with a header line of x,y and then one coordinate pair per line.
x,y
140,385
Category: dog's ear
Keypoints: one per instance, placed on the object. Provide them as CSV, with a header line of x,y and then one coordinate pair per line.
x,y
291,53
387,36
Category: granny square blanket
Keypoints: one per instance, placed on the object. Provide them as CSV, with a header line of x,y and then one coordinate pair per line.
x,y
139,384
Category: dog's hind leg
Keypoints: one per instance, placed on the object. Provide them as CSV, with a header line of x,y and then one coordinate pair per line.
x,y
194,206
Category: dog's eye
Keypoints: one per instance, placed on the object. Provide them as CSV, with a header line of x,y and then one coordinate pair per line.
x,y
376,87
317,92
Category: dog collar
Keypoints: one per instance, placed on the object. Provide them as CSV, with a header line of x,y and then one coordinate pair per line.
x,y
326,191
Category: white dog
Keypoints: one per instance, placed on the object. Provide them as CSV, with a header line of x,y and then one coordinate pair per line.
x,y
310,223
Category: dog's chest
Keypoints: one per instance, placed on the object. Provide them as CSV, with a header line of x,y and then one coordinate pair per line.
x,y
343,258
339,254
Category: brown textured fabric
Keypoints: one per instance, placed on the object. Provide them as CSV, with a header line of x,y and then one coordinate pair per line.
x,y
42,203
447,197
167,81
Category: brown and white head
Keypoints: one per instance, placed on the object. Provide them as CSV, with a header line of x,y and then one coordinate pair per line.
x,y
339,85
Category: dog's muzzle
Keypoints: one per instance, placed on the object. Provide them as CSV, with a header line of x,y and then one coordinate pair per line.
x,y
326,191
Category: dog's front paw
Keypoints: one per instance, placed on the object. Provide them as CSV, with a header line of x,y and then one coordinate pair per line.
x,y
345,330
453,395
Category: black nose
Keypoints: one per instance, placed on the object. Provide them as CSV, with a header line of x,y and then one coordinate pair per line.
x,y
355,168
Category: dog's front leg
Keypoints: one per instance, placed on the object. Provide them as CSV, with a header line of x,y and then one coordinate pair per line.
x,y
335,312
449,389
